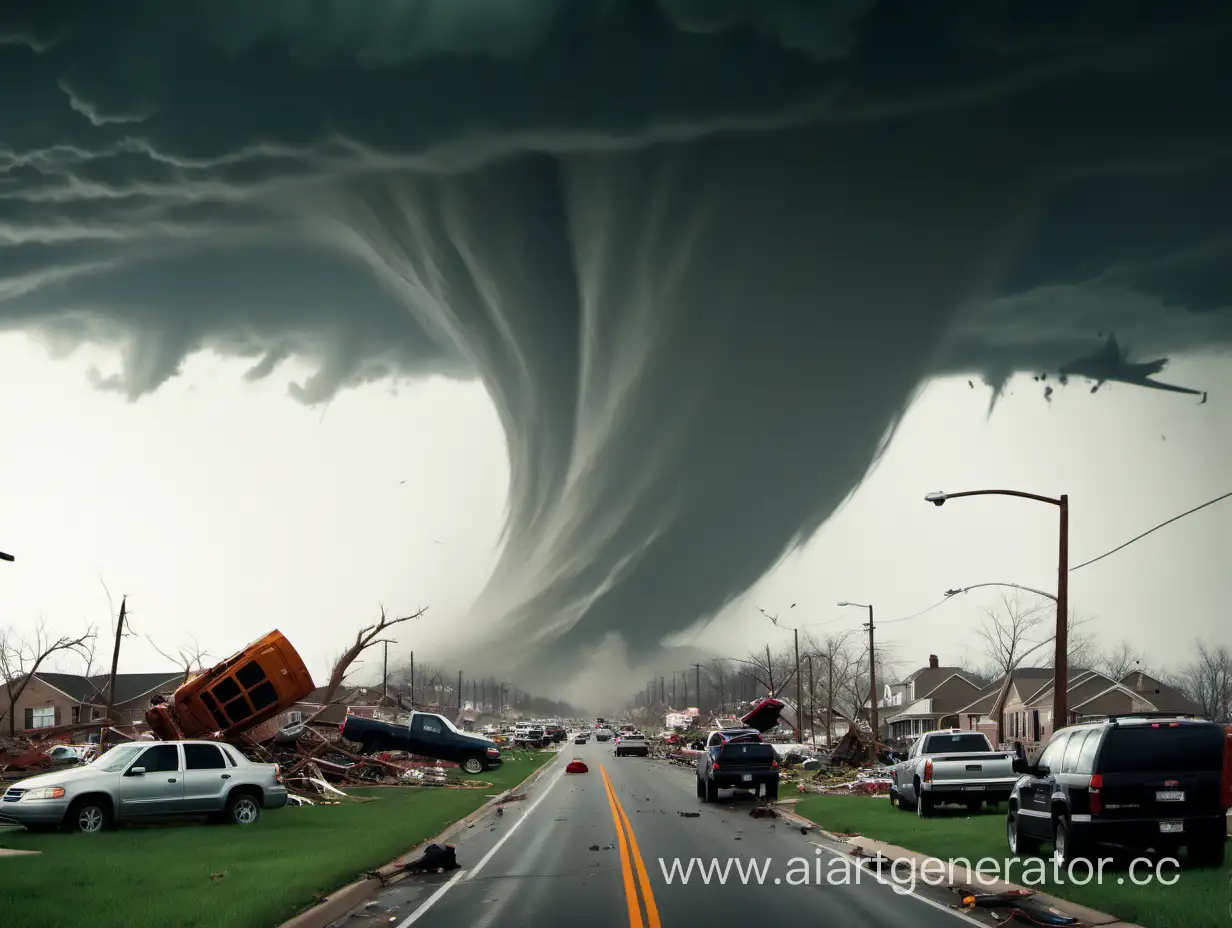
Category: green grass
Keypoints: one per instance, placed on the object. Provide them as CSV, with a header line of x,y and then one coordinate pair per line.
x,y
160,874
1200,896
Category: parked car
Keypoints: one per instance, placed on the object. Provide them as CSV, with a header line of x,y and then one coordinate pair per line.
x,y
603,734
555,733
1136,781
581,738
632,745
140,781
952,765
426,734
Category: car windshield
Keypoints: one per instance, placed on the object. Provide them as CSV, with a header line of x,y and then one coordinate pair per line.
x,y
118,758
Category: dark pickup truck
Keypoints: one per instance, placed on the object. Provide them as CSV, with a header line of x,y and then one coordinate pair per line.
x,y
737,758
425,734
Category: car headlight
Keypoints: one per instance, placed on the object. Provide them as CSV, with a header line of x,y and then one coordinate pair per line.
x,y
44,792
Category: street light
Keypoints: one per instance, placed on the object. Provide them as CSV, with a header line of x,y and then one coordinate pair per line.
x,y
6,557
872,671
1016,586
1060,678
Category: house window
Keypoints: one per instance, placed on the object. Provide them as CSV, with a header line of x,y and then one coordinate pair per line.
x,y
43,717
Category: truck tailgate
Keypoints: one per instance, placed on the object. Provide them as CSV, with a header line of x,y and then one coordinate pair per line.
x,y
972,767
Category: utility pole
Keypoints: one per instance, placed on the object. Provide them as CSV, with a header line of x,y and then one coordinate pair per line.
x,y
872,683
115,663
675,705
697,676
662,689
799,701
385,676
812,704
684,686
830,696
770,670
1060,664
722,690
412,679
459,691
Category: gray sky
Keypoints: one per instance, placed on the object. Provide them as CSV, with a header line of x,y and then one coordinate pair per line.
x,y
699,256
224,510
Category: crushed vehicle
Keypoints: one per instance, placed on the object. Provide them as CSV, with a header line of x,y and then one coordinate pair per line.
x,y
738,758
1149,781
952,765
143,781
425,734
252,686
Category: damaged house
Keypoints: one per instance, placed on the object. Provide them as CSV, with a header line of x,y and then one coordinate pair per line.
x,y
51,699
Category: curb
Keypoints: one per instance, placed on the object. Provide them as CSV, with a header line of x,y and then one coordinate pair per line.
x,y
344,899
1084,914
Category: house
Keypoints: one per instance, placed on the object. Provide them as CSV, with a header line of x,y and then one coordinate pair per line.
x,y
51,699
924,700
927,699
1026,705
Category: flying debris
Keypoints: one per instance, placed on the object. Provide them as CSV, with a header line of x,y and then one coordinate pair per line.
x,y
1109,363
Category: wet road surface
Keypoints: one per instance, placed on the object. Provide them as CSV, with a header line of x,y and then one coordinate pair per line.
x,y
594,847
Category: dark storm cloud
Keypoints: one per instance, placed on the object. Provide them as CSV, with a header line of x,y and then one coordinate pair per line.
x,y
701,253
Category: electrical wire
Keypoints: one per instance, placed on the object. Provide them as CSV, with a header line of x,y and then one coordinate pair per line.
x,y
1188,512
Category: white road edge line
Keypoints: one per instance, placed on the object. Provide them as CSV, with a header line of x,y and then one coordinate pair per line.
x,y
913,893
468,874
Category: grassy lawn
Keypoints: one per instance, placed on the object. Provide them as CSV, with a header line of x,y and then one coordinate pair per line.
x,y
1200,896
160,874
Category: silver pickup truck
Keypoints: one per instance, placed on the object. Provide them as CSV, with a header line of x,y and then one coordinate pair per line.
x,y
952,765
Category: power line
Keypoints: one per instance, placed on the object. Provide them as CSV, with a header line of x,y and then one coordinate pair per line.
x,y
1188,512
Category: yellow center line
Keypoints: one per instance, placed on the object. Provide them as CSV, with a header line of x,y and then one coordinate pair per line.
x,y
643,879
626,870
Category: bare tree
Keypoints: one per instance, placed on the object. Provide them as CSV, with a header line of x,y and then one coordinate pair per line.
x,y
1011,631
718,676
1119,662
769,671
21,658
365,638
1207,680
191,657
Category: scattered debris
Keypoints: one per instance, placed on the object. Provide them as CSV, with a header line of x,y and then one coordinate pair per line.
x,y
1019,902
218,876
763,812
436,858
689,814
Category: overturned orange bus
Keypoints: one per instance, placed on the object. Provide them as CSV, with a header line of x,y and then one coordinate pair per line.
x,y
248,688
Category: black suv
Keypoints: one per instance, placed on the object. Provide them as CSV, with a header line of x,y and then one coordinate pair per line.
x,y
1138,781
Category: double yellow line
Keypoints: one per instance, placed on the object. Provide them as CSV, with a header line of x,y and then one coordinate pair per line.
x,y
631,863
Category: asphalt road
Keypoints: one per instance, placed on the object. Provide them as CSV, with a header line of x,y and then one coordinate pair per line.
x,y
592,847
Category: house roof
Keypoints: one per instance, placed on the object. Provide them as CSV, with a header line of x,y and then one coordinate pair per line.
x,y
1025,678
920,709
1165,698
927,679
951,694
1083,684
93,689
1113,699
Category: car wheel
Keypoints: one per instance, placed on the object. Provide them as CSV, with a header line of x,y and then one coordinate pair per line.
x,y
701,789
893,797
1065,849
923,803
243,809
772,792
1020,845
89,816
473,764
973,806
712,791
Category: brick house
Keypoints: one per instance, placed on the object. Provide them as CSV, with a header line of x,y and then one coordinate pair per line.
x,y
927,699
51,699
981,714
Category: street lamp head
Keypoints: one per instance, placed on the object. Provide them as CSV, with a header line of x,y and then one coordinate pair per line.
x,y
843,605
954,592
937,498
